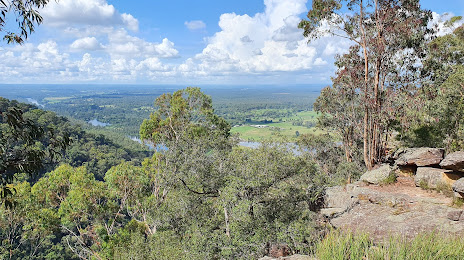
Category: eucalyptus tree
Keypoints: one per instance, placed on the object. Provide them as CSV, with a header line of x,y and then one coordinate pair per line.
x,y
190,137
27,17
25,146
443,88
388,38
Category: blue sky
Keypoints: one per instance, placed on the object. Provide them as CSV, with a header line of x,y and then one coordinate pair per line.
x,y
177,42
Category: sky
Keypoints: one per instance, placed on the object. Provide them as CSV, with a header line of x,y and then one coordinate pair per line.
x,y
240,42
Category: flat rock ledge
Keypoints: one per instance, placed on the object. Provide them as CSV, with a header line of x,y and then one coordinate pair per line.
x,y
427,177
454,161
392,210
418,156
458,188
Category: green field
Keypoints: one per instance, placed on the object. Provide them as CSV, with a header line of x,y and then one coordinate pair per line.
x,y
286,127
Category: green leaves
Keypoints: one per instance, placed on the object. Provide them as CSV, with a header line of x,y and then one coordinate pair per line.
x,y
187,113
440,122
27,17
25,146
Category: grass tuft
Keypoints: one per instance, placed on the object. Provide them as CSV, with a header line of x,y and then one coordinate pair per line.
x,y
348,245
390,179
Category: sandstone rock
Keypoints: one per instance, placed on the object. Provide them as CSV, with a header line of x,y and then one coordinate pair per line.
x,y
434,176
378,175
418,156
406,171
455,215
454,161
332,212
450,178
458,186
459,195
339,199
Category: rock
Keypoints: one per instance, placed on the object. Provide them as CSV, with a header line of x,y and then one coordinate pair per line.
x,y
450,178
455,215
454,161
459,195
279,250
419,156
378,175
458,186
331,212
339,199
434,176
406,171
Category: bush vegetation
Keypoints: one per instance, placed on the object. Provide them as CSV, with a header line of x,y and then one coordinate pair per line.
x,y
348,245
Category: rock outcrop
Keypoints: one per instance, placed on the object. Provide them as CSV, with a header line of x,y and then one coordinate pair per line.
x,y
402,208
377,176
432,177
458,188
418,156
398,209
454,161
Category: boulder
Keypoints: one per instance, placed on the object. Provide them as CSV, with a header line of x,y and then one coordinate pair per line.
x,y
433,176
338,199
378,175
458,187
418,156
454,161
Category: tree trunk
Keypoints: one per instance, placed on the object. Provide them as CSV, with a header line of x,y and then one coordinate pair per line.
x,y
226,217
367,160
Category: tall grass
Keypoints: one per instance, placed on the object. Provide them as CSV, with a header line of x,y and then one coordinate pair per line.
x,y
348,245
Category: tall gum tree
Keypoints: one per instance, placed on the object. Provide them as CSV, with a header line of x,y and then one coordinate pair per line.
x,y
390,35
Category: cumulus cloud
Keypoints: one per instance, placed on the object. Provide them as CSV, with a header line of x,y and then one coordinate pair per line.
x,y
86,44
195,25
264,43
86,12
103,49
121,44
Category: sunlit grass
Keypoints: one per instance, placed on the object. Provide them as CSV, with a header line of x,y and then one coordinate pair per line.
x,y
348,245
285,128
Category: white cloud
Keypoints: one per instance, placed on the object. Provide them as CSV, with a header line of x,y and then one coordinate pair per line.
x,y
265,43
86,44
439,20
86,12
121,44
195,25
131,23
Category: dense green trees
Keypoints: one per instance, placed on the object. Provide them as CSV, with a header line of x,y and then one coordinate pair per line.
x,y
198,197
438,119
35,141
25,145
388,38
